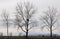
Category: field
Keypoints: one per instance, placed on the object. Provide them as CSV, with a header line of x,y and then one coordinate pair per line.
x,y
21,37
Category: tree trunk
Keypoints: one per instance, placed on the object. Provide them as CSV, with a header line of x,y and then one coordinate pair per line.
x,y
27,33
51,27
7,28
51,31
27,28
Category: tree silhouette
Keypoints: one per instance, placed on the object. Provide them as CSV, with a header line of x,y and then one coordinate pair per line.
x,y
49,19
24,15
5,18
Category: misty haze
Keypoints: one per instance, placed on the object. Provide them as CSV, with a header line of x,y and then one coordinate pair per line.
x,y
29,19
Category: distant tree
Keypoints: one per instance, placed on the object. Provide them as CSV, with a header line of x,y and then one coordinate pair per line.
x,y
10,34
20,34
5,18
1,34
24,15
49,19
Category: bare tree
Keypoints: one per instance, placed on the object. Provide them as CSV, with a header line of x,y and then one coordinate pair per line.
x,y
1,34
50,19
20,34
24,15
10,34
5,18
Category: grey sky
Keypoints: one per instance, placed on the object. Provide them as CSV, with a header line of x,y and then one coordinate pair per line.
x,y
41,5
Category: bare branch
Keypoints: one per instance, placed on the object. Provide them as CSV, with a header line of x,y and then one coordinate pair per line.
x,y
5,18
49,19
21,28
24,14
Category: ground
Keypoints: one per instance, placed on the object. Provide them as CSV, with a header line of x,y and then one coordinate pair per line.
x,y
31,37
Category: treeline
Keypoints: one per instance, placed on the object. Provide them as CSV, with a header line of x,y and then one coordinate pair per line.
x,y
24,18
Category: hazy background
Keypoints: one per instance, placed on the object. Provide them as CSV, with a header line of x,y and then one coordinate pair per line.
x,y
42,5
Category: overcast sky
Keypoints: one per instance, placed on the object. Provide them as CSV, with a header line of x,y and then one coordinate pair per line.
x,y
41,5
